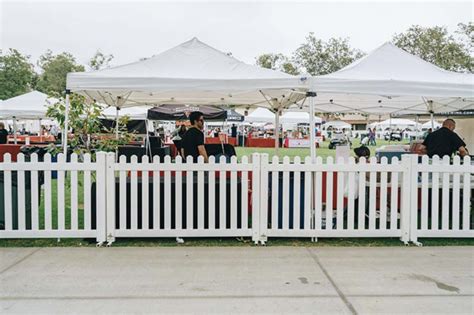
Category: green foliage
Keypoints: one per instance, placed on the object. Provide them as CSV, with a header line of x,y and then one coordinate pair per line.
x,y
16,74
277,62
100,61
54,71
318,57
84,121
436,45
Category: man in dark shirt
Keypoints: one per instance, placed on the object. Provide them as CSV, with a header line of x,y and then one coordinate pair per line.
x,y
3,134
445,141
193,140
233,131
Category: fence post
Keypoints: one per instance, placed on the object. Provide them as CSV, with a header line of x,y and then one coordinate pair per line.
x,y
407,198
110,201
414,200
263,195
256,198
101,165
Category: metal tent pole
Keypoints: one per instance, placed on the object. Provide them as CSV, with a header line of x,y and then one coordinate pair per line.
x,y
416,127
14,130
312,134
117,123
277,131
66,122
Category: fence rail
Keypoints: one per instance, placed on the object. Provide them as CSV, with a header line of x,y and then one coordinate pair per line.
x,y
256,197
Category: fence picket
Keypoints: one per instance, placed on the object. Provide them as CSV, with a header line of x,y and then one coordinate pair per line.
x,y
123,195
286,194
456,195
233,193
446,184
318,193
296,194
48,220
308,197
74,196
361,205
340,197
21,194
274,192
466,206
329,195
8,194
61,193
87,194
34,195
212,194
351,196
424,195
156,193
167,194
189,195
383,195
372,195
435,196
394,204
145,193
200,195
179,195
244,192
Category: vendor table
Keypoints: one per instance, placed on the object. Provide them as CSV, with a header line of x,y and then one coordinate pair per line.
x,y
260,142
33,139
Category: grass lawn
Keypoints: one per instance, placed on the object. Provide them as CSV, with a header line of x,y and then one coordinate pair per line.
x,y
323,151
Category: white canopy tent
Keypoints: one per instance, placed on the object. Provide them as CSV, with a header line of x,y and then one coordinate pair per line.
x,y
190,73
389,80
430,124
28,106
336,124
135,113
292,117
260,115
395,123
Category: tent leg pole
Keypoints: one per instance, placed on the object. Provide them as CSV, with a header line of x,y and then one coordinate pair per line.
x,y
277,132
116,123
14,130
312,135
66,122
432,121
416,128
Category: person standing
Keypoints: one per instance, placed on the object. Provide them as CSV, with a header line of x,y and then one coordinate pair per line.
x,y
193,140
233,131
444,141
3,134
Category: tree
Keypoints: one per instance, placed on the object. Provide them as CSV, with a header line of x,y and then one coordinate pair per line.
x,y
436,45
318,57
16,74
100,61
277,62
54,71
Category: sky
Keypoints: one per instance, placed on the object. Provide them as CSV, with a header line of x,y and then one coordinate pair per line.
x,y
131,30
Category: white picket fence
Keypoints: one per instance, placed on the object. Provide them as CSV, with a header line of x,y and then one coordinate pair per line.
x,y
58,216
255,197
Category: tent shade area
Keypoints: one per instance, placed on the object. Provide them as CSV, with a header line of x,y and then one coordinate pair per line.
x,y
260,115
181,112
32,105
395,123
190,73
290,117
336,124
390,80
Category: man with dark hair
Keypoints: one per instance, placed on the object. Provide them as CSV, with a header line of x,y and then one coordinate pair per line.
x,y
444,141
193,140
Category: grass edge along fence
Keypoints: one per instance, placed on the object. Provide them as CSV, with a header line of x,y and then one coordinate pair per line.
x,y
257,197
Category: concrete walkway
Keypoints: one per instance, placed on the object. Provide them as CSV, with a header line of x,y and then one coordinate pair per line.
x,y
237,280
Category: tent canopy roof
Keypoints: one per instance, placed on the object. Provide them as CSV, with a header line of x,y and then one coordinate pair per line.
x,y
190,73
390,80
291,117
31,105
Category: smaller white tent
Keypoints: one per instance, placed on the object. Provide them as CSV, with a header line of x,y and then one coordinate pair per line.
x,y
427,125
260,115
394,123
291,117
336,124
134,113
32,105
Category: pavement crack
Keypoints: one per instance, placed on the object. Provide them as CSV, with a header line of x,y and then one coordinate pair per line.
x,y
339,292
19,261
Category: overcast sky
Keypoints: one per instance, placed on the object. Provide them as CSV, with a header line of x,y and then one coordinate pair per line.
x,y
131,30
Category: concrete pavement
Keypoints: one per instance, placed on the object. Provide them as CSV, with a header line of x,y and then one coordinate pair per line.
x,y
338,280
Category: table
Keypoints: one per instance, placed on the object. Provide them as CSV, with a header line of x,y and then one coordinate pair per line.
x,y
260,142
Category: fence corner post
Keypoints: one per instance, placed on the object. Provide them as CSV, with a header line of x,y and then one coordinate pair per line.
x,y
110,201
101,164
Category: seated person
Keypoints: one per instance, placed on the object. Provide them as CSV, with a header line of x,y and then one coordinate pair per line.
x,y
444,141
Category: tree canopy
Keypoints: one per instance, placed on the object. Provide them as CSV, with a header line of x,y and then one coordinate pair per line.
x,y
16,74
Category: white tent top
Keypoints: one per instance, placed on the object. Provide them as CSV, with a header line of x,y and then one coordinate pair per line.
x,y
30,105
394,123
260,115
390,80
336,124
135,113
190,73
427,125
290,117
